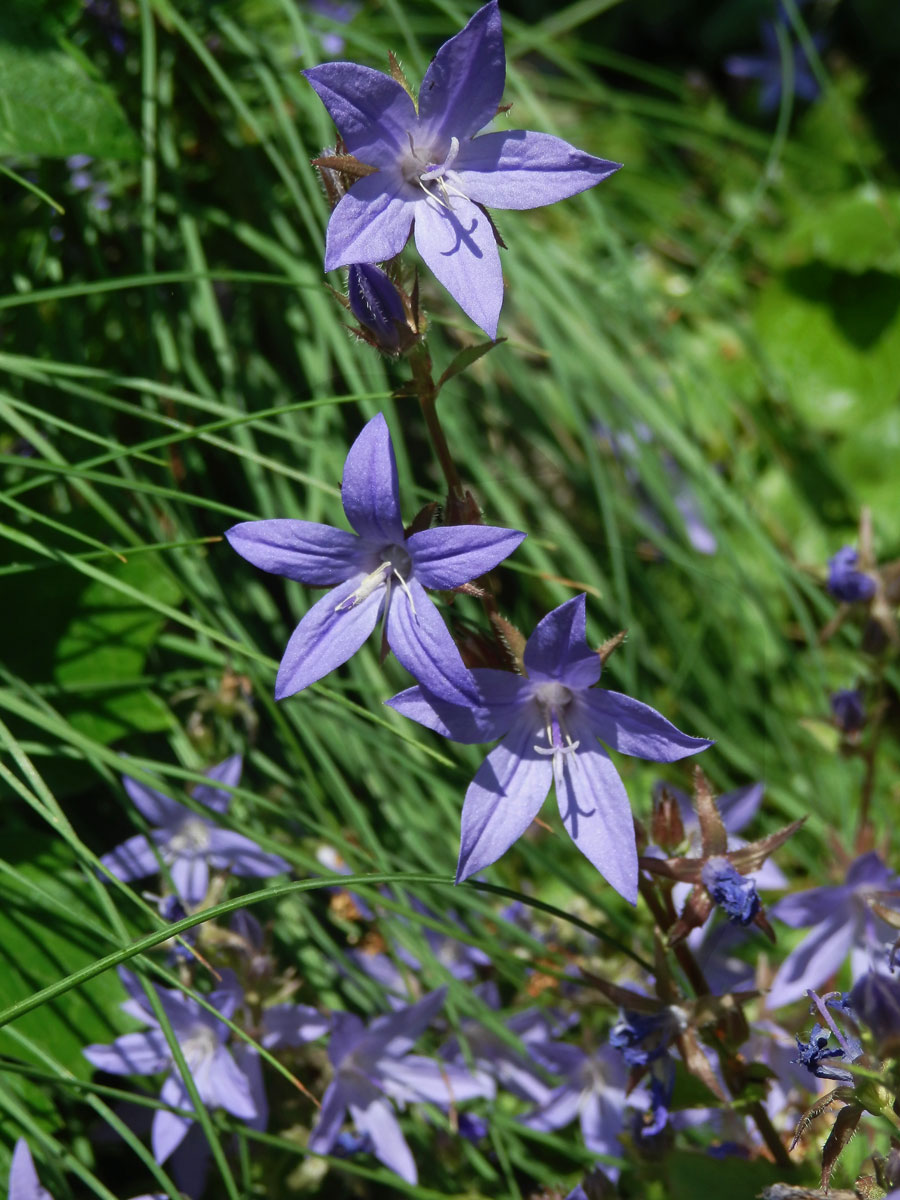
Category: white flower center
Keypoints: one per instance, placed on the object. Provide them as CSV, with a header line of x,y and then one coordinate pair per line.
x,y
192,837
394,561
425,165
199,1046
554,700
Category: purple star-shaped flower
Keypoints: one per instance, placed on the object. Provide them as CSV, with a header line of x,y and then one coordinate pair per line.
x,y
190,844
843,923
432,170
767,68
373,1063
550,720
201,1036
375,571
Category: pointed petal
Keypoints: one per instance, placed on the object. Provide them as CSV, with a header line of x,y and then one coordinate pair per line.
x,y
595,810
601,1117
228,773
520,169
811,907
190,877
168,1130
388,1143
870,871
241,855
226,1086
134,859
189,1164
459,248
463,86
331,1117
558,1110
503,799
369,488
395,1033
23,1180
292,1025
819,955
495,702
326,638
422,643
635,728
131,1054
558,648
157,808
738,808
371,223
416,1077
457,554
372,111
248,1063
318,555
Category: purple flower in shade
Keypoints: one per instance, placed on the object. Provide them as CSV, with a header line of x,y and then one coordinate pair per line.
x,y
375,571
373,1063
342,14
432,170
593,1090
219,1080
842,923
875,1001
23,1181
848,710
523,1072
766,67
187,843
818,1057
845,582
550,721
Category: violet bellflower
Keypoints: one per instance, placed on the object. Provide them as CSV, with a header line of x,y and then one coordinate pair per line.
x,y
845,581
202,1037
431,169
373,1063
188,843
767,68
550,720
375,572
842,923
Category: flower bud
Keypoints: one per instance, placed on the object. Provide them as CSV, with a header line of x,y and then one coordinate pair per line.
x,y
378,306
734,893
845,582
847,710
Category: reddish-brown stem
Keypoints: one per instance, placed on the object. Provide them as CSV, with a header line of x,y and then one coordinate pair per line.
x,y
420,364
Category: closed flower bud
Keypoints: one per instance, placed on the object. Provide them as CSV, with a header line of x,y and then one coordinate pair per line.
x,y
735,894
847,710
378,306
844,580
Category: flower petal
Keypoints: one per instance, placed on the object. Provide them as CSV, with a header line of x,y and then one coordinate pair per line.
x,y
159,810
388,1143
326,638
595,810
169,1130
458,246
738,808
292,1025
228,773
369,489
422,643
601,1117
226,1086
493,708
819,955
415,1077
457,554
372,111
503,799
131,1054
23,1179
371,223
395,1033
558,648
637,729
560,1109
318,555
134,859
463,86
246,1058
331,1117
241,855
190,877
520,169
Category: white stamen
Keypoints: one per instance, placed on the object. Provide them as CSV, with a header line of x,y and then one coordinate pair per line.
x,y
370,584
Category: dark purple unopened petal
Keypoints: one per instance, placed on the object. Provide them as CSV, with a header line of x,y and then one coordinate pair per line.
x,y
423,645
326,638
458,246
191,878
228,773
331,1118
503,799
241,855
134,859
318,555
371,111
558,649
371,223
816,959
520,169
595,810
131,1054
637,729
369,489
169,1130
463,86
457,554
388,1143
157,808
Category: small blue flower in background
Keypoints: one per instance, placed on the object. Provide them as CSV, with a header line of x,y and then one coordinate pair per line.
x,y
848,710
374,1062
375,572
766,67
550,721
434,172
842,923
342,13
81,179
188,843
845,582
